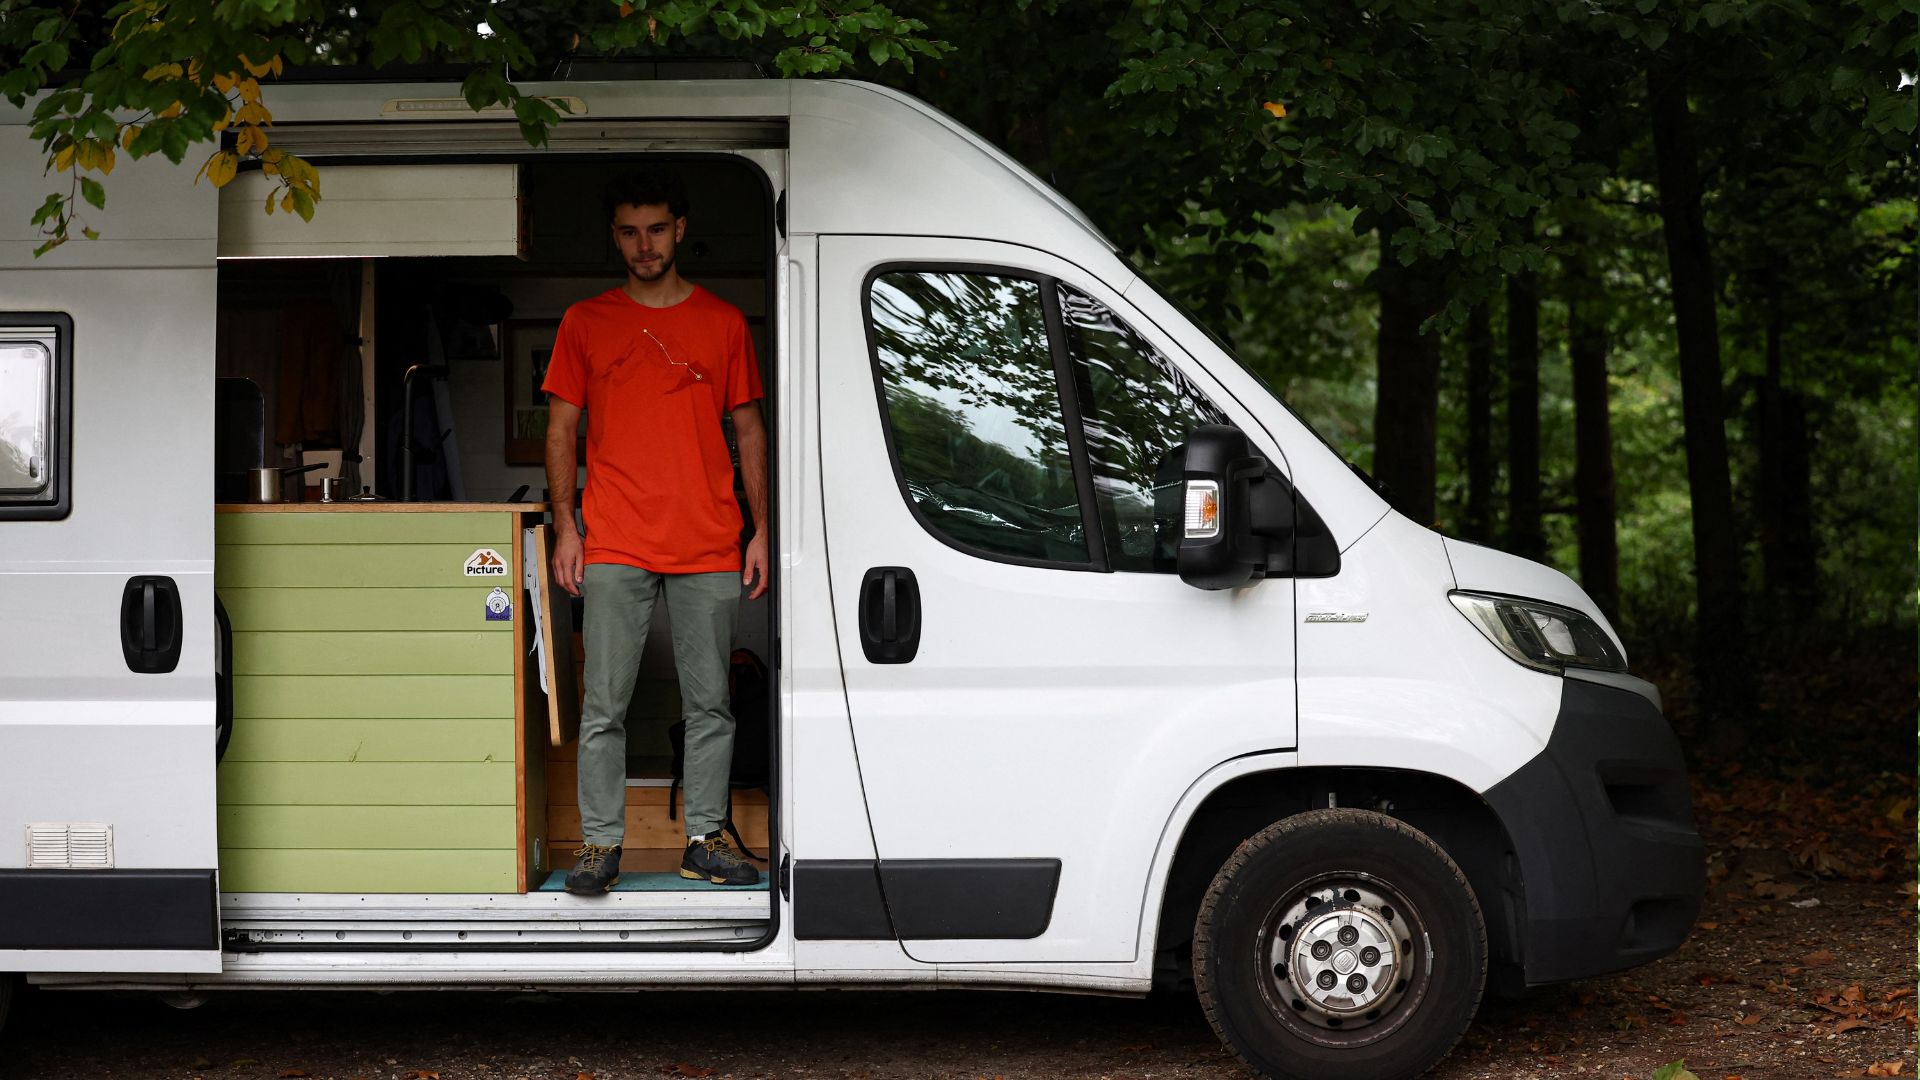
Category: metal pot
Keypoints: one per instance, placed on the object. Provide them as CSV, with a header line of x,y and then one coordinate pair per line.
x,y
269,485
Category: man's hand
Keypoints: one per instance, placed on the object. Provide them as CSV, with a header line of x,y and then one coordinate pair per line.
x,y
756,564
568,568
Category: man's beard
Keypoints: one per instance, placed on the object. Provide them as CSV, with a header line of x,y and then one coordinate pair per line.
x,y
660,267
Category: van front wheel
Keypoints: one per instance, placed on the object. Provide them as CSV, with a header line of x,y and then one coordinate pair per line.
x,y
1340,943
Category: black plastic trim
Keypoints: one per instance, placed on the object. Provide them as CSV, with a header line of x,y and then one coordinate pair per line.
x,y
935,899
109,909
58,503
923,899
1070,406
1611,864
839,900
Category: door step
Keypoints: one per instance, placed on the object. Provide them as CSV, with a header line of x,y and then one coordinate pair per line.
x,y
630,916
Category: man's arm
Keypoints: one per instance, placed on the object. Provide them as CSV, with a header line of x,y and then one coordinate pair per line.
x,y
563,427
751,433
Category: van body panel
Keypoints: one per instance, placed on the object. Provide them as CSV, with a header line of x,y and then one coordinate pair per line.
x,y
109,746
1448,703
864,161
1175,827
154,218
828,814
1049,713
1000,157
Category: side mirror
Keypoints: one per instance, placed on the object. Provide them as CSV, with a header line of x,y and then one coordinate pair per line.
x,y
1217,543
1241,519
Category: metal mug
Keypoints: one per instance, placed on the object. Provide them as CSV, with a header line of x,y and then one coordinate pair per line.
x,y
330,488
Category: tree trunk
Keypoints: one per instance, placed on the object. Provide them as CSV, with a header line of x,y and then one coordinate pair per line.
x,y
1721,666
1785,495
1479,425
1524,535
1593,486
1407,401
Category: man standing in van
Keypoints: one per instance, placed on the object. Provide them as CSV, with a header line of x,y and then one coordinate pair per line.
x,y
657,362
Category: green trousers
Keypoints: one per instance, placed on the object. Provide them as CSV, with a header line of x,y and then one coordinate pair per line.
x,y
619,609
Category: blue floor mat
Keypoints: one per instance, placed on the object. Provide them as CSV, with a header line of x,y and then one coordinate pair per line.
x,y
645,881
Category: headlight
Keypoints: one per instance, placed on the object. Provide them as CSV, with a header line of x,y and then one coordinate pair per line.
x,y
1544,636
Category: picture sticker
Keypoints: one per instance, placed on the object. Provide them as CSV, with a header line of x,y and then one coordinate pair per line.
x,y
499,607
485,563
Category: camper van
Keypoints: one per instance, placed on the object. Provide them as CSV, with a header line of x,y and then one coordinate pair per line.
x,y
1090,667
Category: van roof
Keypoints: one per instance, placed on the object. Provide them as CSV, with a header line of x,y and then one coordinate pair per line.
x,y
862,158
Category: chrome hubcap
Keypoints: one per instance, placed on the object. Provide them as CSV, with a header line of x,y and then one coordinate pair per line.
x,y
1339,954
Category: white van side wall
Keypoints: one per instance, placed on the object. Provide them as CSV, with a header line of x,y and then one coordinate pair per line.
x,y
82,738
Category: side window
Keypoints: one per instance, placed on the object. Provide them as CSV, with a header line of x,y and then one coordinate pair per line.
x,y
1138,409
35,384
974,413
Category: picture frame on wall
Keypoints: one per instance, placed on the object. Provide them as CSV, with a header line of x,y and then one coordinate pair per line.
x,y
529,349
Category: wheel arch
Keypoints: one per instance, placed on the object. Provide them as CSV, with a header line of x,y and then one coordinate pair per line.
x,y
1249,794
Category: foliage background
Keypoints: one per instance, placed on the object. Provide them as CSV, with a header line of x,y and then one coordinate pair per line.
x,y
1256,158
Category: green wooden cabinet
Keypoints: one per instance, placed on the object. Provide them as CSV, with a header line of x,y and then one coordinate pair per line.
x,y
374,738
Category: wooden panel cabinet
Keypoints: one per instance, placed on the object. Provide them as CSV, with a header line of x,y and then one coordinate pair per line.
x,y
378,740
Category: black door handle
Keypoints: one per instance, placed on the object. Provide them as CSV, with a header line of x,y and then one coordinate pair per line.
x,y
889,615
150,624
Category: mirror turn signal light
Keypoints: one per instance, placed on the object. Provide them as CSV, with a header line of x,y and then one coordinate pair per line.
x,y
1202,510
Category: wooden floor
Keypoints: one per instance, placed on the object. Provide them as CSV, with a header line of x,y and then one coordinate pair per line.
x,y
647,826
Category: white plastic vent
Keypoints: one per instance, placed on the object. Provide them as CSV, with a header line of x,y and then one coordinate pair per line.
x,y
69,846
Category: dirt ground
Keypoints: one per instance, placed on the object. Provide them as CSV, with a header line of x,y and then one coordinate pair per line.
x,y
1802,966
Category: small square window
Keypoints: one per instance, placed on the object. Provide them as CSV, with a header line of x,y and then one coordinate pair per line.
x,y
36,365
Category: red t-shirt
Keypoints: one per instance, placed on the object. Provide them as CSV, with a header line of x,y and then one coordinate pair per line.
x,y
655,383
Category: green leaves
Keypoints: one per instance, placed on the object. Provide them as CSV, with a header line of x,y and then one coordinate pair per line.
x,y
48,209
1401,119
1676,1070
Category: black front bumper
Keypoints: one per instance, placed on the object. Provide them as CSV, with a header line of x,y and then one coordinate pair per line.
x,y
1610,863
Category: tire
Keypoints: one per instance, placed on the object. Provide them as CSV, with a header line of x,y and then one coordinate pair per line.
x,y
1404,946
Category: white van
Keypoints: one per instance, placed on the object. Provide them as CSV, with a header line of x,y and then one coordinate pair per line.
x,y
1092,666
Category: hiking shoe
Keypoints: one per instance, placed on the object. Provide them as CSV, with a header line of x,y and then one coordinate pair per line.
x,y
713,859
597,870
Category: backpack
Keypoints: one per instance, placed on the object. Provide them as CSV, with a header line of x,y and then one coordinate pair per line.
x,y
748,698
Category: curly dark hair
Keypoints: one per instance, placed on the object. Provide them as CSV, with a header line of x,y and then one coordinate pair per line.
x,y
646,188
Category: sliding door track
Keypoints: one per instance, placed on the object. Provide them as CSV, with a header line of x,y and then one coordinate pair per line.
x,y
555,921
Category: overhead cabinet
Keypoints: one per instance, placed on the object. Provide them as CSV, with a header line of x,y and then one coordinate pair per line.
x,y
375,210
